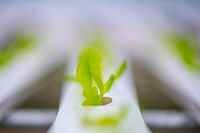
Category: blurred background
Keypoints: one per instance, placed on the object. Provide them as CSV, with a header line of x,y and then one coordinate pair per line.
x,y
39,38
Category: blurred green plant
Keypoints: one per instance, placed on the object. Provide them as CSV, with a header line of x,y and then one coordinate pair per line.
x,y
89,75
186,48
16,45
98,43
107,120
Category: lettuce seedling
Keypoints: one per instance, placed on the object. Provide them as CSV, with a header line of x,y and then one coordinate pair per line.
x,y
186,48
17,44
107,120
88,74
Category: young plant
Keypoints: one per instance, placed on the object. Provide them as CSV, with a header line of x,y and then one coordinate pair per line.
x,y
186,48
88,74
17,44
107,120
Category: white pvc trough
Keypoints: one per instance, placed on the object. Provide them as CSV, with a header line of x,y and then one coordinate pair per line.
x,y
183,84
71,114
34,70
22,77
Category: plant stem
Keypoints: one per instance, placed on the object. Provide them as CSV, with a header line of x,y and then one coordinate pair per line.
x,y
101,99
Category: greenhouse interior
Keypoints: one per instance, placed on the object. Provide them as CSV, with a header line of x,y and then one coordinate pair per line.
x,y
91,66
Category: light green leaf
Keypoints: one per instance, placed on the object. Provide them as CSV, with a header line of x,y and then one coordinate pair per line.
x,y
89,65
95,64
98,81
70,78
83,74
121,69
108,84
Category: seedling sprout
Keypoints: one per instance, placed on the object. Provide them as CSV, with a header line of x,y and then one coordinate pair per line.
x,y
89,76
